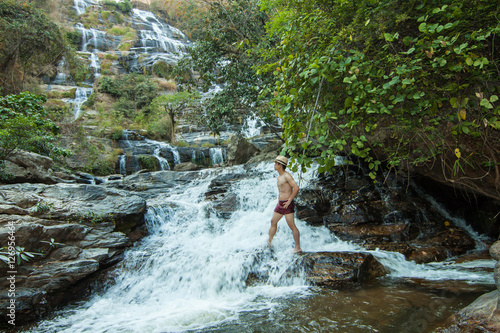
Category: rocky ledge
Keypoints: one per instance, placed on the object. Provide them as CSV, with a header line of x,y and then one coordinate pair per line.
x,y
61,236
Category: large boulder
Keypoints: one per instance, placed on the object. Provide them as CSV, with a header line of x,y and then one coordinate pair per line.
x,y
341,269
27,167
482,315
239,150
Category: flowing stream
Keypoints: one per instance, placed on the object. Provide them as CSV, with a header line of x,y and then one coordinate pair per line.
x,y
191,275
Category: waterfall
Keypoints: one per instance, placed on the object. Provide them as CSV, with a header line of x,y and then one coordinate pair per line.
x,y
459,222
216,155
158,35
95,65
163,162
191,273
158,145
175,152
81,5
62,78
253,127
81,96
123,164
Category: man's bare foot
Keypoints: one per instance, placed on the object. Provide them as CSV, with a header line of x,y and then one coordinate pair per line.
x,y
299,250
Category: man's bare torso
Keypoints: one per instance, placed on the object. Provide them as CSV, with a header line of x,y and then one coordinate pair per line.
x,y
284,188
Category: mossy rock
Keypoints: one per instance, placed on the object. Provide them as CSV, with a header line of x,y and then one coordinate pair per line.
x,y
149,162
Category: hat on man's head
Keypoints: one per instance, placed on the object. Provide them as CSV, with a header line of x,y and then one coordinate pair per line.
x,y
281,160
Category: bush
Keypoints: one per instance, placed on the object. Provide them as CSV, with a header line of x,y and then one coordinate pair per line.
x,y
160,129
149,162
116,133
24,125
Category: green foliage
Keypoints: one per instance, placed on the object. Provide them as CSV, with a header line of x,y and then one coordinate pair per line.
x,y
149,162
92,217
24,125
74,38
135,91
29,42
159,127
42,207
19,253
117,133
177,101
393,76
52,243
124,6
162,69
228,33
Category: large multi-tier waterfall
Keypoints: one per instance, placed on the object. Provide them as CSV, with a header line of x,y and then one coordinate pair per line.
x,y
157,41
192,274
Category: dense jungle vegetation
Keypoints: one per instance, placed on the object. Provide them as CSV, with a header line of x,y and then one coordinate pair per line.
x,y
406,86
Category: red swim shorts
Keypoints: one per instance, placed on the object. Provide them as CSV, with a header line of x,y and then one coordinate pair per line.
x,y
282,210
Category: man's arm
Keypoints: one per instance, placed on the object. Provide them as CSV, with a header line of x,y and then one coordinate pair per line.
x,y
294,186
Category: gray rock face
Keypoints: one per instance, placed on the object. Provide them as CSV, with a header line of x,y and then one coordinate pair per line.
x,y
72,230
26,167
239,150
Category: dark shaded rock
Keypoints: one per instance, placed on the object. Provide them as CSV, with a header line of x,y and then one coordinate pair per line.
x,y
341,269
391,232
392,217
309,215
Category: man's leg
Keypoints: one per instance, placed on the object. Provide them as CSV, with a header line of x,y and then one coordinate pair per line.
x,y
290,220
274,226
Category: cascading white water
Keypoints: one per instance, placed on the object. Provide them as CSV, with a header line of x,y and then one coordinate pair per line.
x,y
123,164
159,36
162,145
163,161
191,273
81,5
253,127
81,96
216,155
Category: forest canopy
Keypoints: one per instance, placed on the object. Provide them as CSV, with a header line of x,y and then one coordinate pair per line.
x,y
399,84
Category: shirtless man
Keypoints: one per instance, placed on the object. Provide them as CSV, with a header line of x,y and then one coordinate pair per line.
x,y
288,189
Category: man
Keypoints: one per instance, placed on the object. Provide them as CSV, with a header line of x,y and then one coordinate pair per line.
x,y
287,189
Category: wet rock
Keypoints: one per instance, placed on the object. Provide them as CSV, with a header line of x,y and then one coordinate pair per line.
x,y
148,185
495,250
496,275
224,203
482,315
392,217
341,269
